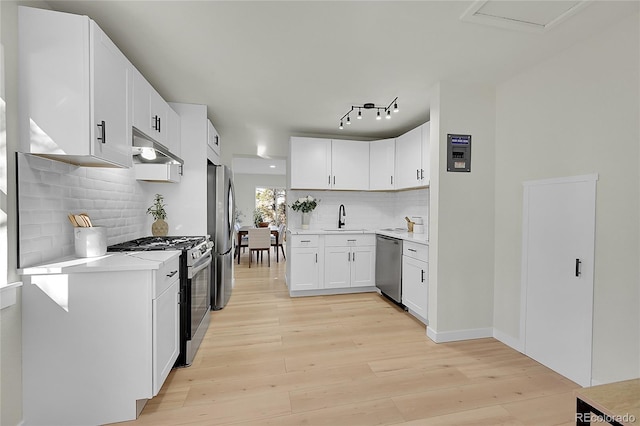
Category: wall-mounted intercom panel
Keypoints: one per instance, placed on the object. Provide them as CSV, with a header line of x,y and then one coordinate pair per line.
x,y
458,153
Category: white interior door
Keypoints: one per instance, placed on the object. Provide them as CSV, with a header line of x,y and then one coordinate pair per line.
x,y
558,257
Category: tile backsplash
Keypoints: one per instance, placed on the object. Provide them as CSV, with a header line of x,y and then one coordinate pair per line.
x,y
48,190
368,210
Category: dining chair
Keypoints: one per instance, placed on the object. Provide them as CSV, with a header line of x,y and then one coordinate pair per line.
x,y
259,241
244,241
278,243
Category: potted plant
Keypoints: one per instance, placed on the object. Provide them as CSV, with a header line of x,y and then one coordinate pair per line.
x,y
305,205
258,219
159,226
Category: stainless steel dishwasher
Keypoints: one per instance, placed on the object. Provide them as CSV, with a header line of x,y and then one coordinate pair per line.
x,y
389,266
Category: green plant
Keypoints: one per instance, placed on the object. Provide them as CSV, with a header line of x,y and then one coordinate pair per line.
x,y
157,208
305,204
258,217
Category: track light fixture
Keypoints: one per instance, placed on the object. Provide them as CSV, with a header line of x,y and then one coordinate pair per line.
x,y
392,107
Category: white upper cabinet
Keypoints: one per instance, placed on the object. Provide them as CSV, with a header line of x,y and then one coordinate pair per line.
x,y
425,173
174,129
409,159
213,144
349,165
75,90
329,164
382,164
153,117
310,160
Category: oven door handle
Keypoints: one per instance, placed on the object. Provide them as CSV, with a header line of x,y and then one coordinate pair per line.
x,y
203,262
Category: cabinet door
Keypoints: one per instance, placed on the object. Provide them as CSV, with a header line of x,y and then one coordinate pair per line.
x,y
409,159
363,266
349,165
382,164
174,142
425,173
158,116
213,139
141,105
415,285
304,269
112,89
165,334
337,271
310,161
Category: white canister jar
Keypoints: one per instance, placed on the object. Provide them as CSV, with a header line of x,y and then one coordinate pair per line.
x,y
91,241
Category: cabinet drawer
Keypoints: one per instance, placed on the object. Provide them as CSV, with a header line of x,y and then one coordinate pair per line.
x,y
303,241
344,240
416,251
166,275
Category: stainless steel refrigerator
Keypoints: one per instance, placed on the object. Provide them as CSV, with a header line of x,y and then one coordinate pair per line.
x,y
220,225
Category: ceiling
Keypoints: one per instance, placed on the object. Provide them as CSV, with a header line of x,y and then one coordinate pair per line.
x,y
271,69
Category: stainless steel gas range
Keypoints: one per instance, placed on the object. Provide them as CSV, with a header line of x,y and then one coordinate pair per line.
x,y
195,276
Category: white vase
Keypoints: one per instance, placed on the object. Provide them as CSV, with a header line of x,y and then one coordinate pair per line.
x,y
306,219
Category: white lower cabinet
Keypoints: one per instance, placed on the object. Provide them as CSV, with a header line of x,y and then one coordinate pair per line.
x,y
166,339
303,261
415,278
327,264
349,261
97,344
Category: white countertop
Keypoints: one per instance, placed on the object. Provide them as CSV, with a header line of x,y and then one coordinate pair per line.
x,y
110,262
400,233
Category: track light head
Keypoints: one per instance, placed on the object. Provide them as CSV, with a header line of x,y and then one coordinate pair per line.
x,y
340,126
359,114
395,107
348,120
378,116
388,116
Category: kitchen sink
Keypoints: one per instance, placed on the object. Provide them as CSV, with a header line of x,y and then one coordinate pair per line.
x,y
394,229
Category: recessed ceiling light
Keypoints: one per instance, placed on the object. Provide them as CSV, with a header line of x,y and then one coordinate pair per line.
x,y
273,166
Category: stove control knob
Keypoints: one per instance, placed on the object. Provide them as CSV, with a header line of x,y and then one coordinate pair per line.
x,y
210,244
196,254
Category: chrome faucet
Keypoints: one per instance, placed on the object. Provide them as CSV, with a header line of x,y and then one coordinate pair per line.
x,y
341,216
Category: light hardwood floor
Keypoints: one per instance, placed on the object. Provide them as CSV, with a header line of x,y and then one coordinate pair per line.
x,y
268,359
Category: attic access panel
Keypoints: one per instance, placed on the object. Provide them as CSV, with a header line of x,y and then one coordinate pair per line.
x,y
530,16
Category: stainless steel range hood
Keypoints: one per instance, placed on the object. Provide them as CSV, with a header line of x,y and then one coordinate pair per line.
x,y
142,146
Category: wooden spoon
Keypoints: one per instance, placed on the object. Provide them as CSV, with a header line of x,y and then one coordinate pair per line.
x,y
80,220
86,219
72,219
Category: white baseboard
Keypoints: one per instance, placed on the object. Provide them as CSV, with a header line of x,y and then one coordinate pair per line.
x,y
330,291
454,336
508,340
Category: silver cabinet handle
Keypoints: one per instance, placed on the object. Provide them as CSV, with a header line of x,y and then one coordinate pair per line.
x,y
316,257
417,174
413,250
422,275
172,273
354,257
349,257
422,174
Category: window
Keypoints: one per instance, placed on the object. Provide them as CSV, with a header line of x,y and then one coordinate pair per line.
x,y
271,206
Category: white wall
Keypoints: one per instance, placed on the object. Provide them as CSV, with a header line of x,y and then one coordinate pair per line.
x,y
245,191
577,113
462,214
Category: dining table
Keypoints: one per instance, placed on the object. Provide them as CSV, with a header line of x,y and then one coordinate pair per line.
x,y
244,230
